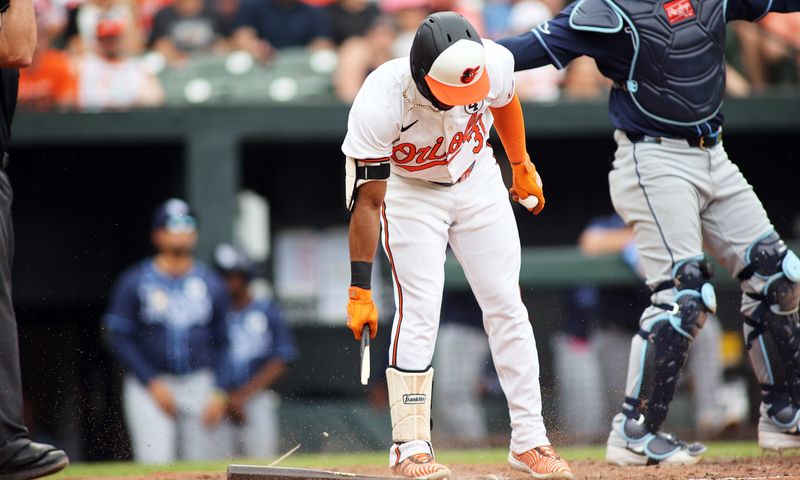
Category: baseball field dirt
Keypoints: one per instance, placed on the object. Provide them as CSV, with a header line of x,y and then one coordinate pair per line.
x,y
724,460
755,468
768,467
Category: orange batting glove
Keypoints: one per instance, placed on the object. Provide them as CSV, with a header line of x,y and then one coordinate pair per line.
x,y
527,182
361,311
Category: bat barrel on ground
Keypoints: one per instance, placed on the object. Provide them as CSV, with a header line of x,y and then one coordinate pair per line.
x,y
255,472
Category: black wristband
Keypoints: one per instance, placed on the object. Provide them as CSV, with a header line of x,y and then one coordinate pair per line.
x,y
361,274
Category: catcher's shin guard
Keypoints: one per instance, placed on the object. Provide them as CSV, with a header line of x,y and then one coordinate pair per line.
x,y
772,327
410,404
659,350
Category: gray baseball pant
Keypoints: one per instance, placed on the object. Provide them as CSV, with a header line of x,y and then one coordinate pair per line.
x,y
259,436
157,438
680,199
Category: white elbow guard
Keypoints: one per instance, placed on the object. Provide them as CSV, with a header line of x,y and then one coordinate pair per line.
x,y
410,404
358,173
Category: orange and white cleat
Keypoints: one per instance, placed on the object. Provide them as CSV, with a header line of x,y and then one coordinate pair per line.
x,y
421,466
541,462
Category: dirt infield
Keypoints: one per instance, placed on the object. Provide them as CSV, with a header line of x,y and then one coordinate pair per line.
x,y
769,467
755,468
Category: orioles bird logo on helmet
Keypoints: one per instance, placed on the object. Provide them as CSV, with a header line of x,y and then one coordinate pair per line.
x,y
468,75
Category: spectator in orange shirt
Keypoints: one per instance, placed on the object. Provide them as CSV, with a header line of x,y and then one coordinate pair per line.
x,y
49,83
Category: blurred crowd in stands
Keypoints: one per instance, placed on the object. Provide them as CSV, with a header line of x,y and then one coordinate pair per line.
x,y
110,54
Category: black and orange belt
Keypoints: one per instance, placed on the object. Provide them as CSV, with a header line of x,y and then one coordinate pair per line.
x,y
463,177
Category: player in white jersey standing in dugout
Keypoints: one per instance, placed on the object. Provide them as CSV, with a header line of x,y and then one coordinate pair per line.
x,y
418,163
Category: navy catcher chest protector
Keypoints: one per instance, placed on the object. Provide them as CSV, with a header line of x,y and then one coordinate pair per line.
x,y
677,73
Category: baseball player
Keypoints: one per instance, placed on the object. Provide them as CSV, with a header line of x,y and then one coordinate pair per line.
x,y
165,324
259,346
418,163
673,182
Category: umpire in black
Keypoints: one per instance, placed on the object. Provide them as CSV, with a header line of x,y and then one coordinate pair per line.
x,y
20,458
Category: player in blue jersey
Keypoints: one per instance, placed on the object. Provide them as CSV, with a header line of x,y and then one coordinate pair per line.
x,y
673,182
259,347
165,324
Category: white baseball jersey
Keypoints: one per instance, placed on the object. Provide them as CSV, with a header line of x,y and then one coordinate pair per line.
x,y
422,142
107,84
427,208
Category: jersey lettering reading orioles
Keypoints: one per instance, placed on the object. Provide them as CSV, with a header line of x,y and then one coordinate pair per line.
x,y
427,157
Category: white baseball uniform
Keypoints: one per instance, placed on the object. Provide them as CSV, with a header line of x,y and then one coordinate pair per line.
x,y
445,188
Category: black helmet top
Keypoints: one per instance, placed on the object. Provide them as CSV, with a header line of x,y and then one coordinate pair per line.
x,y
448,61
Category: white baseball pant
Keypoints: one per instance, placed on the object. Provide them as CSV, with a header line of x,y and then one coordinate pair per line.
x,y
474,216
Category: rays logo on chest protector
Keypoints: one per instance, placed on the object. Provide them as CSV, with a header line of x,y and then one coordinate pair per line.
x,y
413,158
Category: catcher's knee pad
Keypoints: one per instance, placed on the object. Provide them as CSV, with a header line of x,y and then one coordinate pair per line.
x,y
666,339
410,404
694,295
774,325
